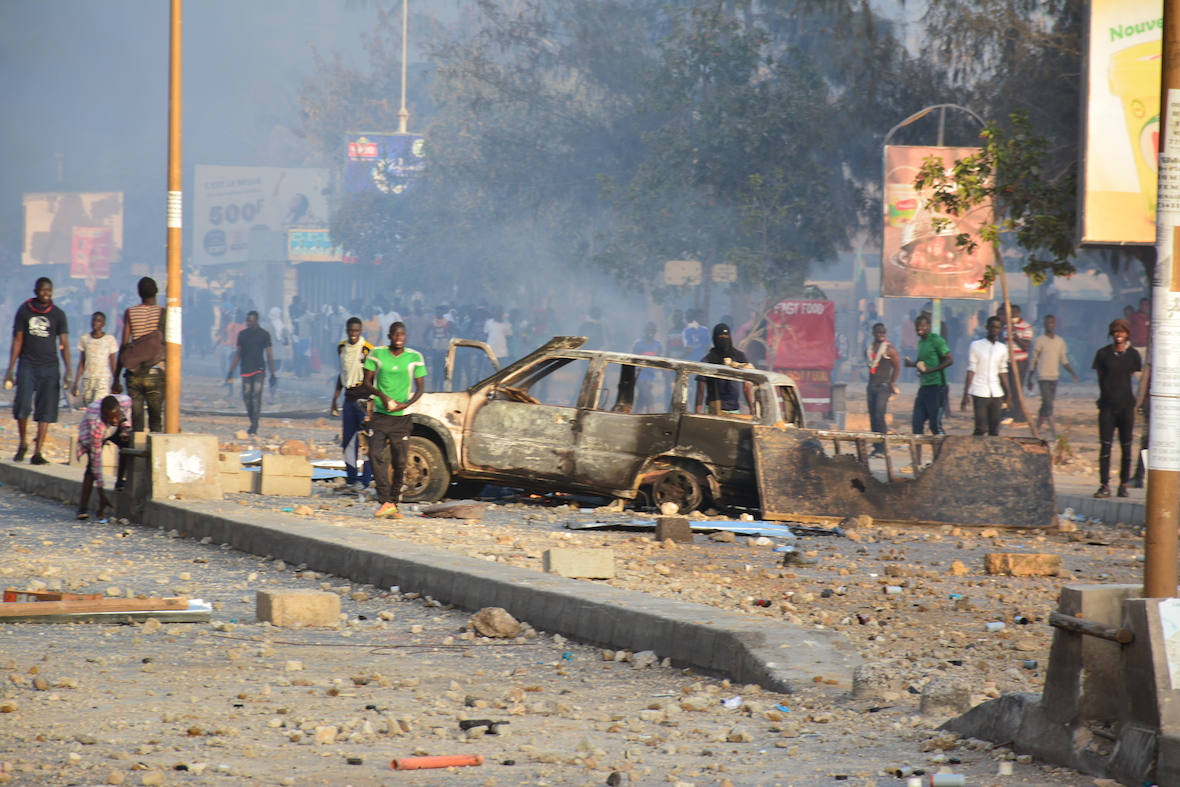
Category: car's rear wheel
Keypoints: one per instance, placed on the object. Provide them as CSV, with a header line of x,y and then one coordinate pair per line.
x,y
679,486
427,475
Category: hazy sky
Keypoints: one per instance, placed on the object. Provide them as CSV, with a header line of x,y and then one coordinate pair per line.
x,y
88,79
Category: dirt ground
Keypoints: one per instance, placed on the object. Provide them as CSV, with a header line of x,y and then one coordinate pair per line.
x,y
934,627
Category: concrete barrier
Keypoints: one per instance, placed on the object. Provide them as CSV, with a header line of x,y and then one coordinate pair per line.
x,y
749,649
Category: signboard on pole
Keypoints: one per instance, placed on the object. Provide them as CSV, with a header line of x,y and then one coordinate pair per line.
x,y
312,245
383,162
92,253
230,202
918,258
53,221
682,273
1124,42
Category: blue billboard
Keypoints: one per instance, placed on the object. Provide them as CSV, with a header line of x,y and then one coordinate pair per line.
x,y
382,162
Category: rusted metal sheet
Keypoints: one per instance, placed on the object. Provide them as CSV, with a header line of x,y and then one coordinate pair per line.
x,y
972,481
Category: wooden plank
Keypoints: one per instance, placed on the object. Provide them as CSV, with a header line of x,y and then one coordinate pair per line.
x,y
11,594
1091,628
26,608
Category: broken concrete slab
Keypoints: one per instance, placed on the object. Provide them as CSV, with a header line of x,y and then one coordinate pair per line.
x,y
674,528
291,607
456,509
1015,564
579,563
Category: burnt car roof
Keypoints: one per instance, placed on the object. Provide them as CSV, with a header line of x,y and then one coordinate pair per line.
x,y
571,345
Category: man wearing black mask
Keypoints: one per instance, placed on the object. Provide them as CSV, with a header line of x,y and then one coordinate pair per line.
x,y
721,396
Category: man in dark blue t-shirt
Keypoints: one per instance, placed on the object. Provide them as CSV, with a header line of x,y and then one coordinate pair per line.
x,y
39,331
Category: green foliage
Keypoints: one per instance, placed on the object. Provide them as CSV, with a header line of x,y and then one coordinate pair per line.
x,y
741,169
1009,173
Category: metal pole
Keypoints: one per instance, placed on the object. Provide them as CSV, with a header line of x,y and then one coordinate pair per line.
x,y
172,329
403,115
1161,540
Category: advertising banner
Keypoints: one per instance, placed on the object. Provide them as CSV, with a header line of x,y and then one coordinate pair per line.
x,y
919,260
229,202
312,246
802,335
382,162
92,253
1124,42
52,221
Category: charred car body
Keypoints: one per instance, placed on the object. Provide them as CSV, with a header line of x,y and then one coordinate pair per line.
x,y
612,424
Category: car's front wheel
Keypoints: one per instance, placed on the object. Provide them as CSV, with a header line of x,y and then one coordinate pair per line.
x,y
679,486
427,475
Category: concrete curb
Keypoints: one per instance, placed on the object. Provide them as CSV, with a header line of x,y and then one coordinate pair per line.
x,y
747,649
1110,510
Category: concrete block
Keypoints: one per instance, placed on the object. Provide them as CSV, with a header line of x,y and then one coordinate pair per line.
x,y
231,461
231,483
186,465
1018,565
293,466
945,696
288,607
288,486
675,528
580,563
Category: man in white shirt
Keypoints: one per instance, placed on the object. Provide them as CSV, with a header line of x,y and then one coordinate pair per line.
x,y
987,379
498,331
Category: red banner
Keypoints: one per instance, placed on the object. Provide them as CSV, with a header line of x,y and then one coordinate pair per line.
x,y
802,335
90,256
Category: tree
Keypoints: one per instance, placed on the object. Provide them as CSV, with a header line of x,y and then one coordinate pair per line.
x,y
741,168
1035,211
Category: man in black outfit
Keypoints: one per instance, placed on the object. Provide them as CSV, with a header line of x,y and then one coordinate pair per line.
x,y
39,331
1117,364
253,348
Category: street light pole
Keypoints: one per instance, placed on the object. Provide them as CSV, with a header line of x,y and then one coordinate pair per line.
x,y
172,325
403,115
1161,540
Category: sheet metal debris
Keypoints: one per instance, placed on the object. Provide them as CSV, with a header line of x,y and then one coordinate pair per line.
x,y
49,607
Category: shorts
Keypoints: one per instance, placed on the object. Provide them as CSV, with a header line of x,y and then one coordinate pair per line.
x,y
38,391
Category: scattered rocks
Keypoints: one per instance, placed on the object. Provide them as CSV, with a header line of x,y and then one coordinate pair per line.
x,y
722,536
876,681
1021,565
945,696
293,448
456,509
496,622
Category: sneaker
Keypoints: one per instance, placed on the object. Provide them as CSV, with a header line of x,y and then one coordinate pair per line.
x,y
1020,424
1123,491
82,514
1006,422
1103,491
1135,483
38,460
20,453
120,486
388,511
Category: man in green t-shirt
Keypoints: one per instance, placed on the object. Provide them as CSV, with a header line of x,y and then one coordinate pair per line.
x,y
390,374
933,358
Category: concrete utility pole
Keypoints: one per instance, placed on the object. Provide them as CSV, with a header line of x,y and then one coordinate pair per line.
x,y
1162,538
172,327
403,115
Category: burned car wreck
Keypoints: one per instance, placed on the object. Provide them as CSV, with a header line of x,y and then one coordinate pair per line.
x,y
604,423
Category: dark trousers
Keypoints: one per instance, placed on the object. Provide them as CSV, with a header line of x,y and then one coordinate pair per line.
x,y
928,408
435,362
352,416
389,469
252,395
1110,419
987,414
878,401
1017,371
147,391
1048,396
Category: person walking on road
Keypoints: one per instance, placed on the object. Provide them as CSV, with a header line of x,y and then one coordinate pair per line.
x,y
1022,338
39,331
254,351
884,365
1048,355
144,386
394,378
1117,364
934,356
438,337
98,353
352,352
106,420
987,379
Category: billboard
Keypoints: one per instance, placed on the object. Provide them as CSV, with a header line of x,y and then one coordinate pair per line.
x,y
312,245
1120,158
60,225
229,202
382,162
918,259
